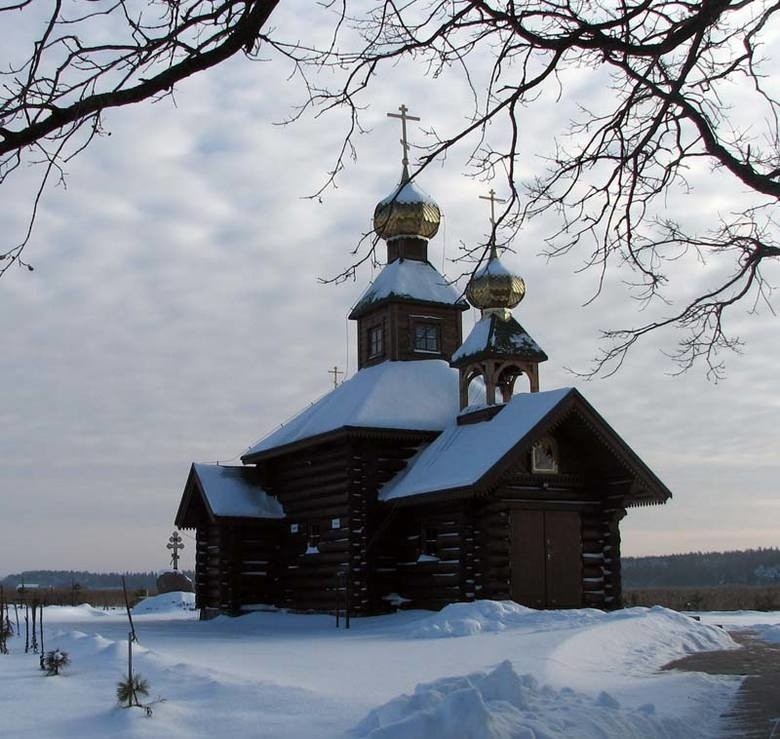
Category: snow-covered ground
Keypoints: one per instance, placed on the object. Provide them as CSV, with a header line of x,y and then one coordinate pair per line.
x,y
473,671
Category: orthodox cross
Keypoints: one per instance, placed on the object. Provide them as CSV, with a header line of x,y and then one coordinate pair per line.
x,y
335,372
404,141
175,544
491,196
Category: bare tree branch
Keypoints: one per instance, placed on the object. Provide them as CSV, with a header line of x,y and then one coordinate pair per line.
x,y
670,68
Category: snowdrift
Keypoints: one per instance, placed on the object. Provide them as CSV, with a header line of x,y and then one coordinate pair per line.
x,y
165,603
504,705
485,616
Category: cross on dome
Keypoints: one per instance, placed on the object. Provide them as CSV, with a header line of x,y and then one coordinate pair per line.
x,y
404,140
491,196
407,212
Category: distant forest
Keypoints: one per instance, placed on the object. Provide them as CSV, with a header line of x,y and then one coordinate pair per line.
x,y
696,569
703,569
84,580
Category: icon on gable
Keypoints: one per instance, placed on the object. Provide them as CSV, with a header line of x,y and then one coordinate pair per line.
x,y
544,456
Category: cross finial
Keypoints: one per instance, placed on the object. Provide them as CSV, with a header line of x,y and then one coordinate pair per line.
x,y
175,544
491,196
404,140
335,372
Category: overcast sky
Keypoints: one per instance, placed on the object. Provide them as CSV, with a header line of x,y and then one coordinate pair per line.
x,y
175,315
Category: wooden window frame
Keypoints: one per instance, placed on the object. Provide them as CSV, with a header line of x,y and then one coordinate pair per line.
x,y
426,337
429,540
376,341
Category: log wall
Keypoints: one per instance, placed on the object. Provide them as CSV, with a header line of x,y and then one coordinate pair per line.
x,y
236,565
313,488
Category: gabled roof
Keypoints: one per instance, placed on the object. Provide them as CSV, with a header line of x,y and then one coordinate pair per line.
x,y
495,337
226,492
467,457
408,396
408,280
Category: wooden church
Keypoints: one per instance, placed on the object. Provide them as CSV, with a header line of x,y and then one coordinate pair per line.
x,y
427,477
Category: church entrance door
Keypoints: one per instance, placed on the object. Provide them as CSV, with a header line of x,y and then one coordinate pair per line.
x,y
546,559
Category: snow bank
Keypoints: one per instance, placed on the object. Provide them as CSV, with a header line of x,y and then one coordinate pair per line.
x,y
636,641
768,632
504,705
64,614
165,603
467,619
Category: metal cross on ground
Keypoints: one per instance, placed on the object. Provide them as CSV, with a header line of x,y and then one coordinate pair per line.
x,y
404,140
175,544
335,372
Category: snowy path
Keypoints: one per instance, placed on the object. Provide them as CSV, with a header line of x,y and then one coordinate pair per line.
x,y
576,674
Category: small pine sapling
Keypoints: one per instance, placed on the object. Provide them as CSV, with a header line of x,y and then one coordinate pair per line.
x,y
131,689
55,660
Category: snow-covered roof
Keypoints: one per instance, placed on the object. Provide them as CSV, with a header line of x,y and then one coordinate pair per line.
x,y
494,335
408,192
229,493
420,396
461,455
408,279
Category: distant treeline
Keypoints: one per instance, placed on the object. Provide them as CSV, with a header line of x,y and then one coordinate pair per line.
x,y
83,580
703,569
696,569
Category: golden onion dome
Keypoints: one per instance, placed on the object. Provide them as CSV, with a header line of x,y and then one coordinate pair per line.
x,y
407,211
494,288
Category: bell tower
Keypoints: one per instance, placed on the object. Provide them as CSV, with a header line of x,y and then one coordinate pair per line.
x,y
498,350
410,312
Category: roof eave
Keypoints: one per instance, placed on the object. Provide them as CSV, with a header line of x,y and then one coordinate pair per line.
x,y
364,308
193,483
492,354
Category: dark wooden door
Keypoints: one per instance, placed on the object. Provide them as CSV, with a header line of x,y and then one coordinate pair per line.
x,y
528,559
546,559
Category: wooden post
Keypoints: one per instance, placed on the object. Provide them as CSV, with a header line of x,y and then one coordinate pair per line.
x,y
4,622
338,597
127,608
34,643
347,595
130,640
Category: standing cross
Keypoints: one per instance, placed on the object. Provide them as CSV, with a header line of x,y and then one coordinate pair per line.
x,y
404,141
175,544
335,372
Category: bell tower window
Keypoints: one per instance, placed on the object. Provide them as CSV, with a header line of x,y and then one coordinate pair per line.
x,y
376,341
427,337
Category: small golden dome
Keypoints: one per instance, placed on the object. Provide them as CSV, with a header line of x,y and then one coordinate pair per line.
x,y
494,287
407,211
